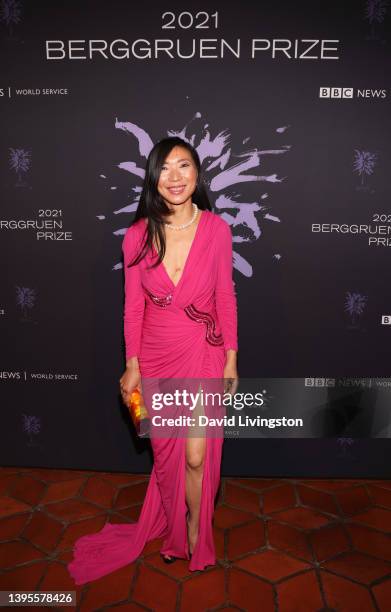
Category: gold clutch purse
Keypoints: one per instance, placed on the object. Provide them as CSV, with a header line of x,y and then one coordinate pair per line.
x,y
138,412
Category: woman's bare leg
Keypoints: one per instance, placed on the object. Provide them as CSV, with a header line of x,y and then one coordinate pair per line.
x,y
195,454
194,461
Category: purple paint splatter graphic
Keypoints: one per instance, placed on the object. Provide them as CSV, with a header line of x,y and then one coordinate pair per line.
x,y
222,172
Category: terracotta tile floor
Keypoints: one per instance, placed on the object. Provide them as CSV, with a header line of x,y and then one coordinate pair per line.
x,y
282,545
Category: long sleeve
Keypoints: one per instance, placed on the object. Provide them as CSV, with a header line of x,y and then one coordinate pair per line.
x,y
225,295
134,297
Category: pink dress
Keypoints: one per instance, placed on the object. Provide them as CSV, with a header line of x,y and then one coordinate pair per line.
x,y
177,331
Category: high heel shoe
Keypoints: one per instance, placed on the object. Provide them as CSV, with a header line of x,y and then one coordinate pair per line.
x,y
166,560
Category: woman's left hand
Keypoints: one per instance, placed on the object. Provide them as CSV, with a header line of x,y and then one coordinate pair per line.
x,y
231,378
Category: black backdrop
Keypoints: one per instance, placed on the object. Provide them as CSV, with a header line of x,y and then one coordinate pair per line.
x,y
280,157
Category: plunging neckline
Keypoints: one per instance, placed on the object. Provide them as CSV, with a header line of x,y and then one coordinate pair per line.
x,y
163,267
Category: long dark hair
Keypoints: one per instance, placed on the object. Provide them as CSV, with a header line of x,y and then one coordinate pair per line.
x,y
153,206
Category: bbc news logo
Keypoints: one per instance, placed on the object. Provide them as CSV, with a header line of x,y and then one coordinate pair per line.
x,y
348,93
386,320
336,92
319,382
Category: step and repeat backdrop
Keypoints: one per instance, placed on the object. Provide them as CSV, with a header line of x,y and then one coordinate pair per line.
x,y
288,106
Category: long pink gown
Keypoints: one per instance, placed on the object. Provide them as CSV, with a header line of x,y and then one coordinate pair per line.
x,y
177,331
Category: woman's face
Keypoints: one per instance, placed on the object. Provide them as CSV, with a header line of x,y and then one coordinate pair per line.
x,y
178,177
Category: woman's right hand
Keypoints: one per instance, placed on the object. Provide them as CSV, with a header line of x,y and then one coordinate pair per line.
x,y
129,380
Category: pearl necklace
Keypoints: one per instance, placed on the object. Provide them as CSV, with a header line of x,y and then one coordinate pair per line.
x,y
184,225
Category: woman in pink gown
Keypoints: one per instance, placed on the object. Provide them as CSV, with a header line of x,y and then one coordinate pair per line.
x,y
181,328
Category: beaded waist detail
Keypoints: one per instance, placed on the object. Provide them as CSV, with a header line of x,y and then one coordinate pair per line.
x,y
160,301
208,320
196,315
